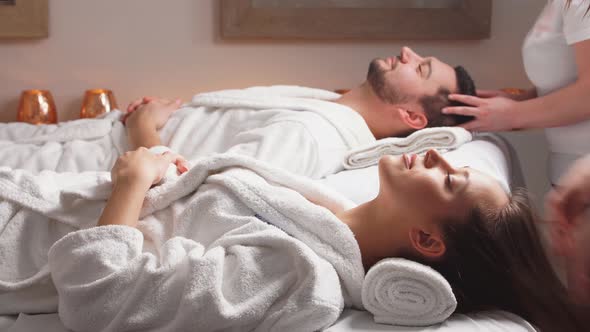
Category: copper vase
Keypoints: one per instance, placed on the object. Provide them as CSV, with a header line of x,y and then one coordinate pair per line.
x,y
37,107
97,102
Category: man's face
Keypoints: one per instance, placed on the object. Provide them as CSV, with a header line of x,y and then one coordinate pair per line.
x,y
405,78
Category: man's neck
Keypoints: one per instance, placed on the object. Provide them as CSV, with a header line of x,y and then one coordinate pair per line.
x,y
359,99
363,100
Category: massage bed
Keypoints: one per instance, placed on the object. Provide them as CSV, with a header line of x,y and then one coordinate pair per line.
x,y
487,153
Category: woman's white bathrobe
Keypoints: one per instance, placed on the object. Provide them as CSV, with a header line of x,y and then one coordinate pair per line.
x,y
296,128
230,245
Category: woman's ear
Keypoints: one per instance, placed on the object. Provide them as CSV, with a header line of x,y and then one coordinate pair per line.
x,y
413,119
428,244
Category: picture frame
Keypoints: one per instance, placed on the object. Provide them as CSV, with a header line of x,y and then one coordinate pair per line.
x,y
24,19
356,19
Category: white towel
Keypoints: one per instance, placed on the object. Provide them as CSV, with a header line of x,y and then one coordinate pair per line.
x,y
440,138
72,146
401,292
82,129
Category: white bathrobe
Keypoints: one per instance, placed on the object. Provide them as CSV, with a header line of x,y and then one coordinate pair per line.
x,y
230,245
296,128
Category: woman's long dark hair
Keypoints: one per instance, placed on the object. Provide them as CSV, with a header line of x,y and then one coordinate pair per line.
x,y
496,260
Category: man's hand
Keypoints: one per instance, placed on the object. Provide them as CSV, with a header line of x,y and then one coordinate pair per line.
x,y
153,111
141,167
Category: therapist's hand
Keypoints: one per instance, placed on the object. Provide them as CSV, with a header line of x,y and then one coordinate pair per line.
x,y
577,261
514,94
491,114
566,206
571,196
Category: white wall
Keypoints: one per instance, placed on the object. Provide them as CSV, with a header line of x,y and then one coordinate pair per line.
x,y
172,48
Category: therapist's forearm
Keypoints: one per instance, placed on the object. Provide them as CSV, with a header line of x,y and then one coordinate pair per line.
x,y
562,107
565,106
142,133
124,205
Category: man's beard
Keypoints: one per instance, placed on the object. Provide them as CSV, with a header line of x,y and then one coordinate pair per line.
x,y
378,82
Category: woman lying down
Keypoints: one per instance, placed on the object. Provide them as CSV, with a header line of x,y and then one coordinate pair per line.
x,y
234,244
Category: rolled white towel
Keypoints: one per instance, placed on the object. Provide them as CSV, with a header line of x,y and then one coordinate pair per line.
x,y
439,138
401,292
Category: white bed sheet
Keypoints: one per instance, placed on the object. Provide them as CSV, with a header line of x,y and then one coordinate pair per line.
x,y
493,321
30,323
350,321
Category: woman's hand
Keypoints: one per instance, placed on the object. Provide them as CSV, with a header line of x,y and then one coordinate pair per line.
x,y
133,174
494,113
155,111
144,168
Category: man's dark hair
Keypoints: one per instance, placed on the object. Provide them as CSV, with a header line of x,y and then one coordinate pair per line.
x,y
434,104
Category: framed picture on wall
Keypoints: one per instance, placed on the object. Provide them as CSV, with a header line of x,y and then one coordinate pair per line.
x,y
24,18
356,19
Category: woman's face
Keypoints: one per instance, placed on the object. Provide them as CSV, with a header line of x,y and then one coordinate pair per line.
x,y
428,189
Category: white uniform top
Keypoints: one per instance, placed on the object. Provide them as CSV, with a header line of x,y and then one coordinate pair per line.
x,y
550,63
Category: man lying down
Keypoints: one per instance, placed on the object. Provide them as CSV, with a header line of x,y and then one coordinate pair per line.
x,y
237,244
306,131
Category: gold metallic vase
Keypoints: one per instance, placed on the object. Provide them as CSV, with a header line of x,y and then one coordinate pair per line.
x,y
37,107
97,102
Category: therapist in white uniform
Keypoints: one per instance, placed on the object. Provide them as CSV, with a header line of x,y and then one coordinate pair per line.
x,y
557,61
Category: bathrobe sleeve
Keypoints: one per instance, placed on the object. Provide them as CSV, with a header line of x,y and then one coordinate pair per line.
x,y
255,278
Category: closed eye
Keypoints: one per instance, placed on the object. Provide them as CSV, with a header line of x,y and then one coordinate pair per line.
x,y
449,181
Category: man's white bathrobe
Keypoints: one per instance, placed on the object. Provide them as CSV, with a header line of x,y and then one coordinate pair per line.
x,y
296,128
233,244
